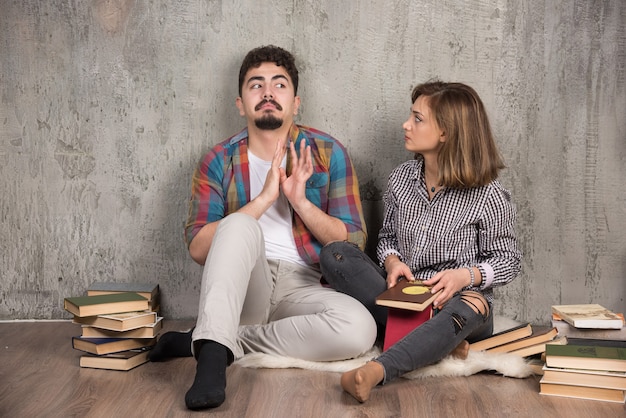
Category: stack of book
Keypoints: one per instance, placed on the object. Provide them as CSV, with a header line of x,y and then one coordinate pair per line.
x,y
119,323
593,363
586,369
523,340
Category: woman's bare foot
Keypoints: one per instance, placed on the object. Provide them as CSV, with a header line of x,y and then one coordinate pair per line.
x,y
359,382
461,351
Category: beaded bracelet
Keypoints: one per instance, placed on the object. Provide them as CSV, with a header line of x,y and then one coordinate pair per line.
x,y
472,278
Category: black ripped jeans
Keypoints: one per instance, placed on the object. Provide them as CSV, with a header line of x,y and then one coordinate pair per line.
x,y
349,270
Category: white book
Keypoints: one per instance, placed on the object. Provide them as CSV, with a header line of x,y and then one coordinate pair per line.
x,y
588,315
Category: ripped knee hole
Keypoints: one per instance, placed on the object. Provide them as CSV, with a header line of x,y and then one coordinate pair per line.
x,y
476,301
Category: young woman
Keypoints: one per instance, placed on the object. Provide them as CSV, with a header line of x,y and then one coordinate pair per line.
x,y
448,222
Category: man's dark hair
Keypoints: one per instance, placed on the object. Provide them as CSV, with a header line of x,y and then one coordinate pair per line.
x,y
269,53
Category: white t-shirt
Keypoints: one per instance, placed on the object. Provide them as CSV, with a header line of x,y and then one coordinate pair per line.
x,y
276,221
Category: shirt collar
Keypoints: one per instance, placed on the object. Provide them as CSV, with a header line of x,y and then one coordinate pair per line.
x,y
293,134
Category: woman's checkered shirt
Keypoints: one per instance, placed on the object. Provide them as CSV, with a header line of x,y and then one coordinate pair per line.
x,y
457,228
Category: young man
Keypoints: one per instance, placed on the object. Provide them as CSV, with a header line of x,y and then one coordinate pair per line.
x,y
263,204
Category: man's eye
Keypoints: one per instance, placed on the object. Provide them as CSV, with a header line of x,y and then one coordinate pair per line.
x,y
255,86
280,85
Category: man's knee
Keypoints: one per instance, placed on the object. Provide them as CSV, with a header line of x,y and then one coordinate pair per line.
x,y
360,339
240,223
239,218
360,330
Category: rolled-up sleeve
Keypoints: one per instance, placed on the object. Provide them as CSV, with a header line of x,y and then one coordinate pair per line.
x,y
206,203
344,199
499,256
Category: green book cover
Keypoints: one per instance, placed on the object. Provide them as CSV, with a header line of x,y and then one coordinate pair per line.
x,y
586,351
123,287
101,299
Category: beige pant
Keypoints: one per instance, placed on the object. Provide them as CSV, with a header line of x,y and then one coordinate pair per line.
x,y
250,304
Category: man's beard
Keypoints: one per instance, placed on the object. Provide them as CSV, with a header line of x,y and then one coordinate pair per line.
x,y
268,122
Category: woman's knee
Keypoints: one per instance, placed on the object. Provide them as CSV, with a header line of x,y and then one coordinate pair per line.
x,y
340,255
336,251
476,301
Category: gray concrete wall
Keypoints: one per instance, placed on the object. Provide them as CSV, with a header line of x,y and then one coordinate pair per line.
x,y
107,106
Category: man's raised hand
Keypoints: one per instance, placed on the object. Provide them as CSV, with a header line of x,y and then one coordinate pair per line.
x,y
294,185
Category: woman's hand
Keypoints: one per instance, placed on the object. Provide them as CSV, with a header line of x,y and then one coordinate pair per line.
x,y
396,269
449,282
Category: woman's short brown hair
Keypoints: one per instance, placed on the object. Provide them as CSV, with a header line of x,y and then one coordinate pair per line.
x,y
469,157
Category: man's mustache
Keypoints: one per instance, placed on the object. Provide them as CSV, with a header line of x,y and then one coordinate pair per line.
x,y
264,101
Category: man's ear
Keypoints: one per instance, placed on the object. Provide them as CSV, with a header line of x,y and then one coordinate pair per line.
x,y
239,105
296,105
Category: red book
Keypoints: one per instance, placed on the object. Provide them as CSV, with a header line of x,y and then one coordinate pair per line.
x,y
402,321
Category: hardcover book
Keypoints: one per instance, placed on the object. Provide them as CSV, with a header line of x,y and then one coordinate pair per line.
x,y
119,322
581,377
588,316
582,392
540,348
539,335
101,346
597,342
402,321
503,337
149,291
411,295
105,304
586,357
147,331
124,361
571,331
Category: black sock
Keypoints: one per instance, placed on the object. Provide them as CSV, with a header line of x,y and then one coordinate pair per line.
x,y
171,344
209,386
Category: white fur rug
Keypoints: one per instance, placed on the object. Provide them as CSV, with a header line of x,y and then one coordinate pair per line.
x,y
505,364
